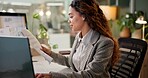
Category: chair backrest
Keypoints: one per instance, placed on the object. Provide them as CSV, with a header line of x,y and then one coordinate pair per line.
x,y
130,62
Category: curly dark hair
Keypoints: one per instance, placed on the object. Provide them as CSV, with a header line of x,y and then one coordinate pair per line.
x,y
96,20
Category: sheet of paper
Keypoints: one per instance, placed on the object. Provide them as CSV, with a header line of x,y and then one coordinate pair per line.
x,y
34,43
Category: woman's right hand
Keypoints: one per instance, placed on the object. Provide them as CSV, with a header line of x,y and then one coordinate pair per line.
x,y
46,49
41,75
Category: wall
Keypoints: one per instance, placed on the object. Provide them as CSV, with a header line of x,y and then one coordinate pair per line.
x,y
142,5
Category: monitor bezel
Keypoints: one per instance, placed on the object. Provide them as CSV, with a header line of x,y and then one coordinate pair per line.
x,y
15,14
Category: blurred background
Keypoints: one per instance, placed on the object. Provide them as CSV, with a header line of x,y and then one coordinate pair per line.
x,y
53,15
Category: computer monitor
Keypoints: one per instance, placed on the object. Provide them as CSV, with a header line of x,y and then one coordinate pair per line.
x,y
15,58
12,23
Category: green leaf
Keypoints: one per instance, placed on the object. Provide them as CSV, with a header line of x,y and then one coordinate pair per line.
x,y
43,27
36,16
55,46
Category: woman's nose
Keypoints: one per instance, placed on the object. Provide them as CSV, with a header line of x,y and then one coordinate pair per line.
x,y
69,21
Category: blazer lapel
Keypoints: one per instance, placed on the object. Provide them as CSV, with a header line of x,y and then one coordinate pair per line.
x,y
90,48
87,51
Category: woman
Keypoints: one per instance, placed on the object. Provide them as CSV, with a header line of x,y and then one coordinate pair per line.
x,y
94,49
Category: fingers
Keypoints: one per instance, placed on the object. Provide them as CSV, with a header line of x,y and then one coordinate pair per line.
x,y
46,49
42,76
44,46
39,76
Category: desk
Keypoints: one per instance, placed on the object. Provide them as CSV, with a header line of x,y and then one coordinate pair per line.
x,y
42,66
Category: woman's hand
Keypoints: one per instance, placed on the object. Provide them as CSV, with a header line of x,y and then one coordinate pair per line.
x,y
46,49
39,75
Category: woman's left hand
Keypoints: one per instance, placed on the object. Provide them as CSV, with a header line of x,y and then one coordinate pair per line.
x,y
41,75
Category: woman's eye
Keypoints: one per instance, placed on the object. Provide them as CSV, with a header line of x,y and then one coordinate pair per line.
x,y
71,17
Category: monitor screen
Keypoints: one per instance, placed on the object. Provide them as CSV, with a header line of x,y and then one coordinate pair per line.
x,y
12,23
15,58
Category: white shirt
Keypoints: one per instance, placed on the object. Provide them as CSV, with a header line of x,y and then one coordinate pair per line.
x,y
79,55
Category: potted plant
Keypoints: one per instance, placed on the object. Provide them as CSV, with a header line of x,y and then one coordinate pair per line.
x,y
43,34
126,23
42,29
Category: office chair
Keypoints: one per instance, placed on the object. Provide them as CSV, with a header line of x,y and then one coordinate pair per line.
x,y
130,62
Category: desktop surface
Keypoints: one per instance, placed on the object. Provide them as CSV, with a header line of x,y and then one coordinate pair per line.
x,y
42,66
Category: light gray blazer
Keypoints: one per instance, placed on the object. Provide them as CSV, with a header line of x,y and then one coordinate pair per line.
x,y
96,64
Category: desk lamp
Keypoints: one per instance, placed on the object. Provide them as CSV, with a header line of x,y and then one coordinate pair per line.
x,y
141,20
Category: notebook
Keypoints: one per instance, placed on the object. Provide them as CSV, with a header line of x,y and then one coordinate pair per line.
x,y
15,58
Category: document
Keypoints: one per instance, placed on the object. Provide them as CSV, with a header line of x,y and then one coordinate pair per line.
x,y
34,43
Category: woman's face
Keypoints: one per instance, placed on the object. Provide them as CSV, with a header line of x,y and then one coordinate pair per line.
x,y
76,20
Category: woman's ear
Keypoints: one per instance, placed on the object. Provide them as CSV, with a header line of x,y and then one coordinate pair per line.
x,y
83,18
